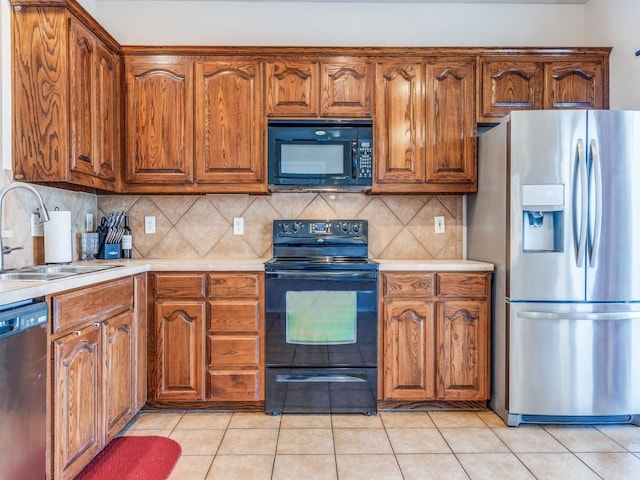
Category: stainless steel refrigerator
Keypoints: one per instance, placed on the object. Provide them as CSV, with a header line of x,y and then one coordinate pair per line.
x,y
558,213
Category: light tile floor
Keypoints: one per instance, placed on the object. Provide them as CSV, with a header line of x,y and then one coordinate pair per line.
x,y
389,446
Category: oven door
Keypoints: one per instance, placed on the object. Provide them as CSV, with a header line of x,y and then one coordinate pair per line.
x,y
321,319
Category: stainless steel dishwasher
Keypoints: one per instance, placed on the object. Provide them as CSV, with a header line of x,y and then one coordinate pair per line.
x,y
23,372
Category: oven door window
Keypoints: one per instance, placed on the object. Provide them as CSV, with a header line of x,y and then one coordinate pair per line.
x,y
321,317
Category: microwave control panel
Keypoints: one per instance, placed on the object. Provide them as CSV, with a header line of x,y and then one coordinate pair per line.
x,y
365,161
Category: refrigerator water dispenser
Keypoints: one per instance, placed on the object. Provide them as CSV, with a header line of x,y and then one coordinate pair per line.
x,y
542,218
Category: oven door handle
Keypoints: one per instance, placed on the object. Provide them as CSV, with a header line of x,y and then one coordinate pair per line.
x,y
322,275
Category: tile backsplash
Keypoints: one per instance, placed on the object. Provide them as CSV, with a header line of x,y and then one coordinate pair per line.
x,y
201,226
18,205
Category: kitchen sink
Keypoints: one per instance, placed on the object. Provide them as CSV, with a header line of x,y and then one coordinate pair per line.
x,y
52,272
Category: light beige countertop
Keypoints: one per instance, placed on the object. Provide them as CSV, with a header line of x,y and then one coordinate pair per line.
x,y
15,291
417,265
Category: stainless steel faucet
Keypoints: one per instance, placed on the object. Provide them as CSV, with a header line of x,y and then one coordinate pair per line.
x,y
3,192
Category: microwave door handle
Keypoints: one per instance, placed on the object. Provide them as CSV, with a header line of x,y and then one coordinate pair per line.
x,y
354,160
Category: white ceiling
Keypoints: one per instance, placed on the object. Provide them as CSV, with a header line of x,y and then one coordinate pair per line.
x,y
577,2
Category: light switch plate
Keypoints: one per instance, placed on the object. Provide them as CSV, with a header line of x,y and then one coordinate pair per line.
x,y
439,223
37,227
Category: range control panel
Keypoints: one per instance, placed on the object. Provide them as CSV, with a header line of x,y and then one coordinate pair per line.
x,y
319,228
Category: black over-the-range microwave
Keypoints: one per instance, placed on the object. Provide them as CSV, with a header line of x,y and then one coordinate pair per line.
x,y
320,155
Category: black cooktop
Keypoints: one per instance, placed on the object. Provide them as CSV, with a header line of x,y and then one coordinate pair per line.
x,y
320,245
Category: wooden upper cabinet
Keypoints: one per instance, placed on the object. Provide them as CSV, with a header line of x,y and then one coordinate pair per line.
x,y
451,127
577,84
229,123
159,122
81,96
526,82
66,92
319,87
425,134
509,85
107,149
399,126
345,88
292,88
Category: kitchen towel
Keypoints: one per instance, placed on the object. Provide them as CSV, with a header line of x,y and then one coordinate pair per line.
x,y
57,238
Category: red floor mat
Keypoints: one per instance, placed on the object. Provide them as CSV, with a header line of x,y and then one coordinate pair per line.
x,y
134,458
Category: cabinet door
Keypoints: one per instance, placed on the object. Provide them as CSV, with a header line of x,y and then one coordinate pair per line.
x,y
292,88
77,401
451,126
577,84
118,342
81,98
107,116
345,88
399,126
179,352
229,124
462,350
408,350
159,122
509,85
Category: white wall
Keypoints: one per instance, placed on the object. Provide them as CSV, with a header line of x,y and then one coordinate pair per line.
x,y
5,86
140,22
615,23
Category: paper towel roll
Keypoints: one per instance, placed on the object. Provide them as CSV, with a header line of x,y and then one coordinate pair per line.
x,y
57,238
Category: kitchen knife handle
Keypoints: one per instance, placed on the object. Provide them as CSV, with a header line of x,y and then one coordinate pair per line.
x,y
597,228
584,199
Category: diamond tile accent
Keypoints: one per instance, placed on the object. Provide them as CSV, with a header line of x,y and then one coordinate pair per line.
x,y
202,226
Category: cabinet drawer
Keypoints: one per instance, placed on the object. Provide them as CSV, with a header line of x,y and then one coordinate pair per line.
x,y
463,285
239,316
235,351
408,285
92,304
183,285
234,285
234,385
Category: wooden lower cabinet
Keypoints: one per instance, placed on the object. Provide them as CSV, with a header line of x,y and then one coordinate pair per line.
x,y
179,341
435,331
119,348
94,376
77,401
207,338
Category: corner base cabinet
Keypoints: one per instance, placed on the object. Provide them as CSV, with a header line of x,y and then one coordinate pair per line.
x,y
94,347
435,340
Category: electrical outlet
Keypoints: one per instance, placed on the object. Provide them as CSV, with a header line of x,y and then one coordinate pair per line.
x,y
439,223
149,225
37,227
88,222
238,226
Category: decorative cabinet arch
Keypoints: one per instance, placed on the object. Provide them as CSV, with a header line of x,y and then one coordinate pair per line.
x,y
425,131
526,83
229,121
319,87
179,328
409,367
159,116
435,329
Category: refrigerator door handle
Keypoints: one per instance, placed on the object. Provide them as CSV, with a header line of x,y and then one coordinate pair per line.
x,y
579,316
584,203
597,174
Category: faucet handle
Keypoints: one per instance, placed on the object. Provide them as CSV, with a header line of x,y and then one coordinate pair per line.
x,y
6,249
